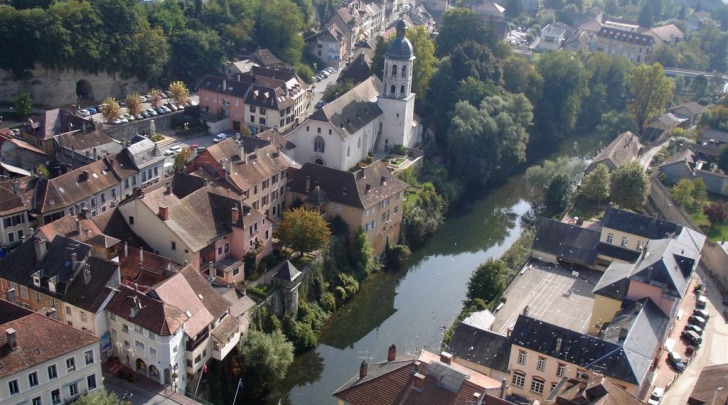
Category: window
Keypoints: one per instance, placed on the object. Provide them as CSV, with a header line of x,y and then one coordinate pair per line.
x,y
52,372
13,386
68,310
237,270
219,250
70,364
139,345
227,247
624,241
404,70
521,357
318,144
392,90
541,364
125,328
37,401
174,245
519,379
56,396
401,91
151,334
91,381
262,111
537,385
261,121
33,379
112,317
394,70
396,209
84,316
103,198
152,353
126,182
89,356
138,329
131,220
610,238
23,289
561,370
252,108
73,389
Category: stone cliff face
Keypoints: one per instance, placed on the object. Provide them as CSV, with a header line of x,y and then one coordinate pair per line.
x,y
63,87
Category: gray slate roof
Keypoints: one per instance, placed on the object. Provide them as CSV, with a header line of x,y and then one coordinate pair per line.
x,y
479,346
636,224
288,272
569,242
353,110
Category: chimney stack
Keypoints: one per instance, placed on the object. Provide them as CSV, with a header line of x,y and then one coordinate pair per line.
x,y
126,250
141,256
419,381
86,274
242,153
234,215
12,343
11,296
164,212
168,189
525,310
40,248
74,260
392,353
52,314
446,358
78,226
363,369
224,85
308,184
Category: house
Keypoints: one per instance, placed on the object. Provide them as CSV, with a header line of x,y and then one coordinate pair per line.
x,y
19,157
552,37
625,148
661,273
590,389
169,332
14,218
542,353
680,166
196,223
253,167
576,18
78,148
710,386
358,70
691,111
638,48
425,379
45,361
347,22
668,34
686,165
480,350
370,199
330,46
222,98
661,126
700,20
41,131
261,57
489,10
557,241
140,164
63,278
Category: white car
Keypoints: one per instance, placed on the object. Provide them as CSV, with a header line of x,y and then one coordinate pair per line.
x,y
219,137
656,396
173,150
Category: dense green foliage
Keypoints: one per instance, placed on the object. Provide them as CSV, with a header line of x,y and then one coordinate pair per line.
x,y
303,230
267,357
629,185
595,185
650,90
23,104
487,282
99,397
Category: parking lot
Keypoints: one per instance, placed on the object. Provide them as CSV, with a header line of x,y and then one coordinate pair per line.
x,y
552,293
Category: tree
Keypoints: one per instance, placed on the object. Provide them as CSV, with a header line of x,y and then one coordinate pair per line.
x,y
267,357
459,25
362,255
99,397
488,281
303,230
698,87
133,103
336,89
716,212
596,184
110,109
425,63
179,92
650,90
23,104
700,191
558,193
540,176
155,97
278,28
629,185
194,54
181,159
682,192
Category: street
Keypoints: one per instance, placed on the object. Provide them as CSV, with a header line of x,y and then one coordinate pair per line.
x,y
139,395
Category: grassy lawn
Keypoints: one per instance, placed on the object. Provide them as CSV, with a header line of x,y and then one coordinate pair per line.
x,y
587,209
301,261
717,234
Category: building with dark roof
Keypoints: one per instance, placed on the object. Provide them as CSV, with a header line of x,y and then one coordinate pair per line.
x,y
543,353
18,157
632,230
557,241
44,360
638,48
369,199
357,71
711,386
14,217
40,131
79,148
594,389
481,350
625,148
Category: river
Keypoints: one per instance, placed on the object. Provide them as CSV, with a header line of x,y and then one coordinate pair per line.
x,y
413,307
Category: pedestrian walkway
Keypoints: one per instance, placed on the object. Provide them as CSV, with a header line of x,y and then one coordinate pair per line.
x,y
145,390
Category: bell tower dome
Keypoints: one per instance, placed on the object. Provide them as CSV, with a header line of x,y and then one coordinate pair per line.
x,y
398,62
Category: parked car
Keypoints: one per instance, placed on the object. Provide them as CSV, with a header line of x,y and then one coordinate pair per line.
x,y
676,361
200,149
139,116
691,337
219,137
123,120
151,112
701,301
83,113
695,328
725,300
171,107
116,121
696,320
173,150
701,313
91,110
180,107
656,396
320,104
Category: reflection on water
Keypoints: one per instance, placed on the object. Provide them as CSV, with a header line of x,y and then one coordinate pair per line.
x,y
413,307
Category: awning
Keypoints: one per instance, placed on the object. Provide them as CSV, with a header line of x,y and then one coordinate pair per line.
x,y
14,169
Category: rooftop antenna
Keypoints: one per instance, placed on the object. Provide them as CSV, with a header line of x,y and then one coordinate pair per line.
x,y
364,355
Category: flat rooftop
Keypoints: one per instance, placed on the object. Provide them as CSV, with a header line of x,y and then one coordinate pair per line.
x,y
553,294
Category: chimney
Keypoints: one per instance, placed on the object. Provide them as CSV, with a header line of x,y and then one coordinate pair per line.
x,y
78,226
446,358
384,181
419,382
12,343
209,269
558,345
476,398
234,215
141,256
40,248
126,250
84,212
16,188
52,314
525,310
363,369
503,389
164,212
168,188
11,296
86,274
242,153
367,188
94,151
74,260
224,85
308,184
84,176
392,353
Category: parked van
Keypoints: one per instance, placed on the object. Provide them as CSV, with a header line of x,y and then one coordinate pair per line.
x,y
701,302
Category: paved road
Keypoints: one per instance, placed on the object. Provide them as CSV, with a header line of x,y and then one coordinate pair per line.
x,y
140,396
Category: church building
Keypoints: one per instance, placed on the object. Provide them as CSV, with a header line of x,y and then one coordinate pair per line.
x,y
374,116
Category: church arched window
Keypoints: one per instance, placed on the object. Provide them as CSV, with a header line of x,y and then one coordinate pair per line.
x,y
318,144
404,70
394,70
392,90
401,91
348,151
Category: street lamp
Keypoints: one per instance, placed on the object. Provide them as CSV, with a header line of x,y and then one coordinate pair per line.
x,y
714,394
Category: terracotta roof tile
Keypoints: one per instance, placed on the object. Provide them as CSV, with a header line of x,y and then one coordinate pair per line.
x,y
162,319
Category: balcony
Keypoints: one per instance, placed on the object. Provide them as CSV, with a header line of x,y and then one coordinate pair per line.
x,y
193,344
225,337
